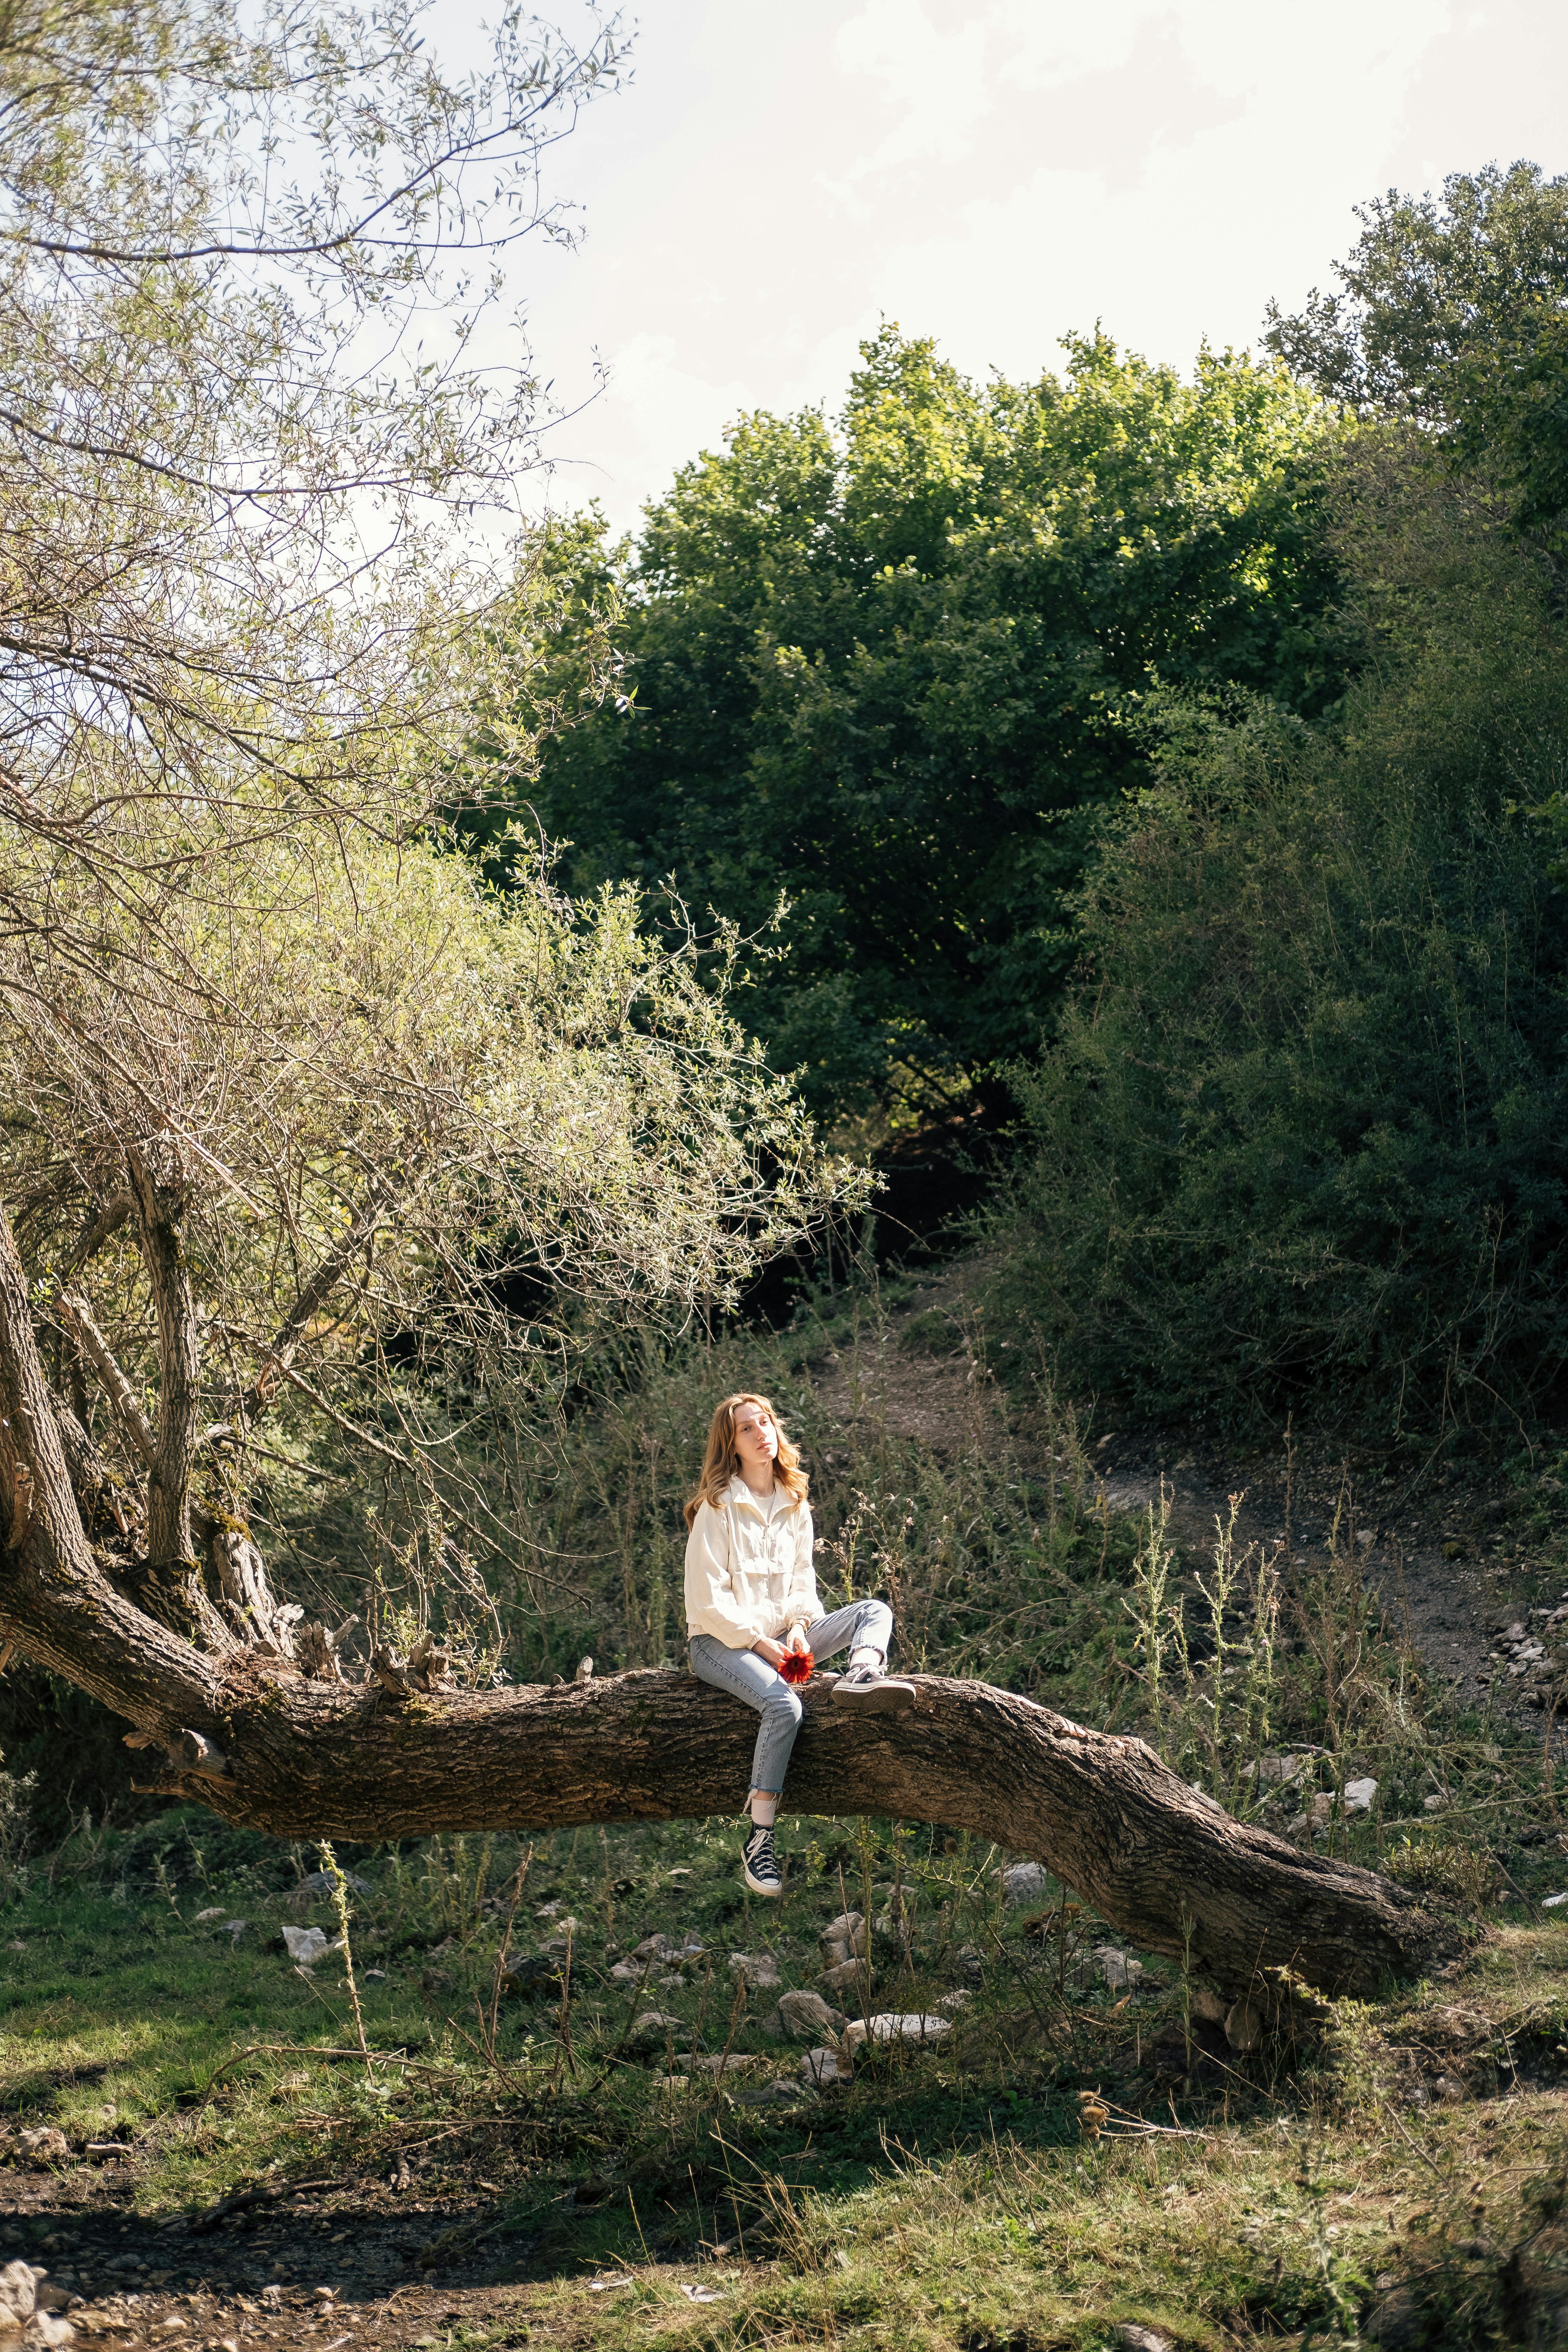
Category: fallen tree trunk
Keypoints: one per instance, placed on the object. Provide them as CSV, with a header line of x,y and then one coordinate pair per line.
x,y
1104,1813
295,1753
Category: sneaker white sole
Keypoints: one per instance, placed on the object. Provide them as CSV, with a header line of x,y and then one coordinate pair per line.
x,y
761,1885
883,1697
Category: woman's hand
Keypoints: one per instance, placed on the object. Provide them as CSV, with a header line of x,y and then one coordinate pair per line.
x,y
771,1652
796,1639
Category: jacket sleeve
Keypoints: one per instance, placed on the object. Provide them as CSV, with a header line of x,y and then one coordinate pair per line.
x,y
711,1604
804,1607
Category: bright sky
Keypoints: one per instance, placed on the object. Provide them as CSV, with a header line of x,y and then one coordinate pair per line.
x,y
994,172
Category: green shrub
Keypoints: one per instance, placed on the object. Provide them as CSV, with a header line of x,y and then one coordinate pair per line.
x,y
1300,1136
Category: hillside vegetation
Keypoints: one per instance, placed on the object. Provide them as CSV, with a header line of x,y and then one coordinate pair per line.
x,y
429,1001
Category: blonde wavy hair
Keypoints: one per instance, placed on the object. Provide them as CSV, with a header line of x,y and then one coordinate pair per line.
x,y
721,1462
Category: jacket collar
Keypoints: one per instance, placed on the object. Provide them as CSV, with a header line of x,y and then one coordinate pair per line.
x,y
743,1498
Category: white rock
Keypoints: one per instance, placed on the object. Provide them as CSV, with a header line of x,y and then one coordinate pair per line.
x,y
1549,1902
1359,1795
46,2329
1120,1972
1026,1882
213,1911
844,1939
1435,1804
653,2025
44,2144
820,2066
891,2026
308,1944
806,2014
760,1970
18,2292
959,1998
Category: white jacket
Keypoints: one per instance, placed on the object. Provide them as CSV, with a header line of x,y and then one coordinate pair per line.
x,y
749,1567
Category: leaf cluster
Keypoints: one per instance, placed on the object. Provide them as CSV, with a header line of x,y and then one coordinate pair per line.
x,y
884,667
1299,1135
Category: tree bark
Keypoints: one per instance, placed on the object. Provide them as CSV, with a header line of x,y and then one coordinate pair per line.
x,y
160,1206
1104,1813
267,1745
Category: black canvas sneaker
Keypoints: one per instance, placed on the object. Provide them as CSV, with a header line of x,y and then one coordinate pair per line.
x,y
761,1864
869,1691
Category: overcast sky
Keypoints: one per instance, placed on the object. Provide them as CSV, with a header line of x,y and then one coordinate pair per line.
x,y
994,172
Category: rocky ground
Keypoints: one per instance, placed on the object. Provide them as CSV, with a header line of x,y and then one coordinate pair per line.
x,y
1471,1572
429,2256
344,2262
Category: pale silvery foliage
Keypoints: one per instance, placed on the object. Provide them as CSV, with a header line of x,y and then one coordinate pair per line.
x,y
242,445
295,1110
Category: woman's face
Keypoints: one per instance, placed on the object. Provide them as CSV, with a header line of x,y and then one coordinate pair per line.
x,y
756,1439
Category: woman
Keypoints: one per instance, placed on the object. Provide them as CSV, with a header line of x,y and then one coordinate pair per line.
x,y
751,1597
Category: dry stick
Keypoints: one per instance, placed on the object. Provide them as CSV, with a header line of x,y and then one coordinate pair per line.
x,y
519,1883
1415,2150
736,2006
304,2050
243,2199
564,2023
329,1863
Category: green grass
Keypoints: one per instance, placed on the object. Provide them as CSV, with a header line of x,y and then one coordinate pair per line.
x,y
956,2198
961,2198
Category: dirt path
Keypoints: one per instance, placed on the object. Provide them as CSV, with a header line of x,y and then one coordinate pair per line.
x,y
1446,1561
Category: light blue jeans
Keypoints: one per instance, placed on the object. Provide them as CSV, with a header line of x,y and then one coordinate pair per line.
x,y
746,1676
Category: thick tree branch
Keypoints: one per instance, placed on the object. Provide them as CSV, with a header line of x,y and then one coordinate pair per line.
x,y
306,1756
53,1599
160,1207
312,1296
103,1227
1107,1817
78,1317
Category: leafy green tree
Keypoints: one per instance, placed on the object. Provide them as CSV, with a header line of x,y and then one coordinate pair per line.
x,y
1431,284
889,669
1453,313
1300,1135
